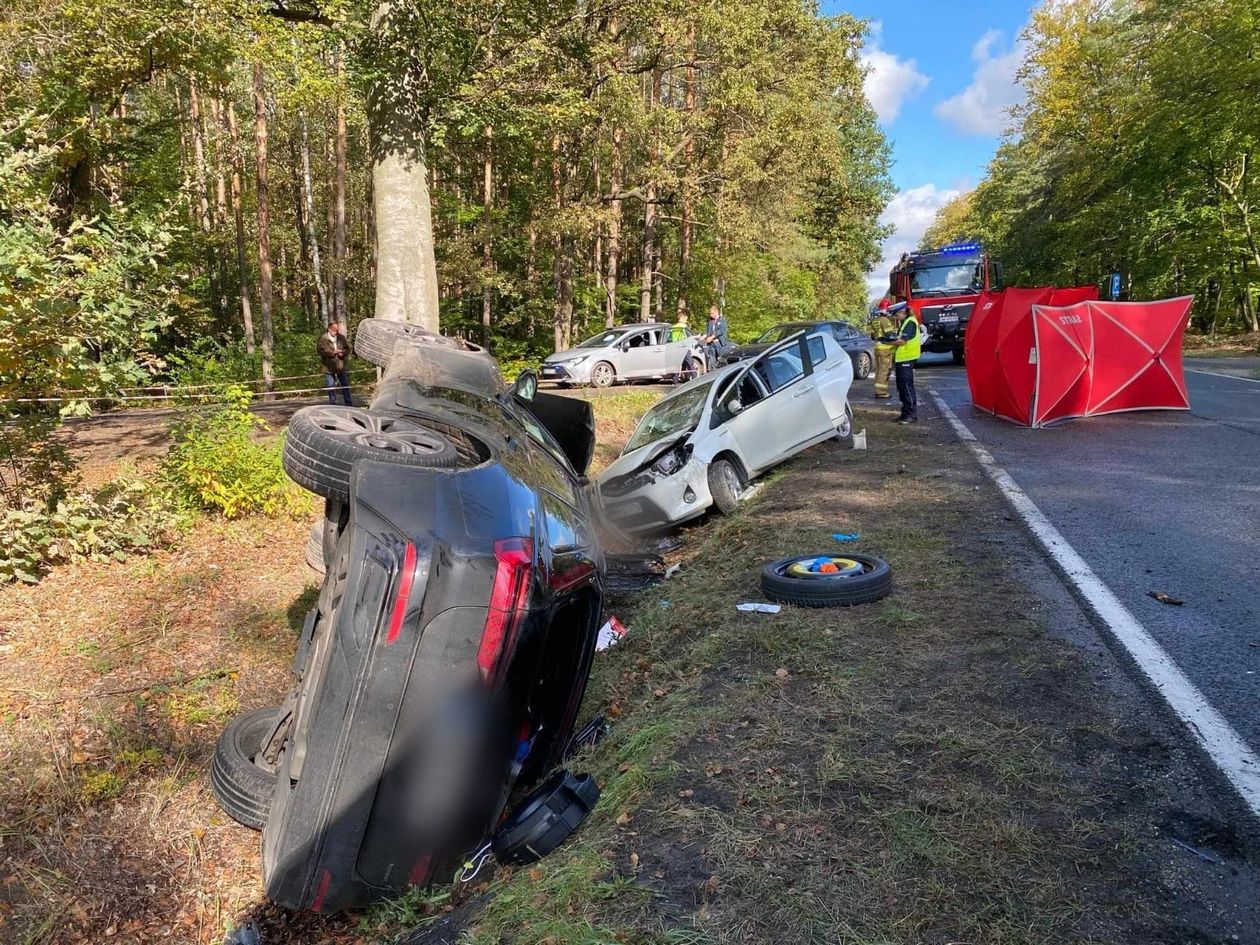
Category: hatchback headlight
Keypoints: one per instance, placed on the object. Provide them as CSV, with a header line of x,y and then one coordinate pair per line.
x,y
672,461
578,360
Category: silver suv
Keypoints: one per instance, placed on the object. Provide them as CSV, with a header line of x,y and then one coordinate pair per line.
x,y
626,352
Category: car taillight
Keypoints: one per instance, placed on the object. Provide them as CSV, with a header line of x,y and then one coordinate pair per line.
x,y
405,580
509,600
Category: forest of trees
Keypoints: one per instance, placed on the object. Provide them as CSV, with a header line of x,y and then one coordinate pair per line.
x,y
1135,148
218,176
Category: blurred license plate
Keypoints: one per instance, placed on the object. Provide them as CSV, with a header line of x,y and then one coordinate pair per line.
x,y
550,370
948,319
630,508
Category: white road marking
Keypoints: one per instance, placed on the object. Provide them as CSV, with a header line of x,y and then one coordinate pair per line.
x,y
1232,377
1215,735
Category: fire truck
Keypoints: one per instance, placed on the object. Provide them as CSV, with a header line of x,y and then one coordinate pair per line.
x,y
941,287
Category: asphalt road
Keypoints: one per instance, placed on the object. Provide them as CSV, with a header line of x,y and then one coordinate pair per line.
x,y
1159,501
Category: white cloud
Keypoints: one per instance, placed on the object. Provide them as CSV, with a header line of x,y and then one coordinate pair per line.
x,y
982,108
889,81
911,212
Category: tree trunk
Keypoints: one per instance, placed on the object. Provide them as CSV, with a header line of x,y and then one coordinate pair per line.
x,y
649,208
242,267
264,224
203,189
487,206
689,157
339,205
614,233
312,235
220,198
406,271
302,225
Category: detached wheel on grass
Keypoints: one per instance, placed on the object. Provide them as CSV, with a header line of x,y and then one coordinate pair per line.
x,y
240,778
375,338
857,579
324,443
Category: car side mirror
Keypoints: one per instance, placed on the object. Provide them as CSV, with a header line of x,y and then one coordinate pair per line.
x,y
624,346
526,385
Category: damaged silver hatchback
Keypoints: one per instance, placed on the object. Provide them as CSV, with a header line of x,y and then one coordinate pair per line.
x,y
702,445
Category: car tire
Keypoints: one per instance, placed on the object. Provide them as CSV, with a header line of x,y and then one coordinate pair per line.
x,y
324,442
603,374
725,485
844,429
870,582
242,788
315,547
865,365
960,356
375,338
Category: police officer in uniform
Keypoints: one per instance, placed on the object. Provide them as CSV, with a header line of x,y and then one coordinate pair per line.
x,y
907,346
882,326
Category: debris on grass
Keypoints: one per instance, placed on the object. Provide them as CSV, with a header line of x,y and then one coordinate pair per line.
x,y
610,633
845,536
757,607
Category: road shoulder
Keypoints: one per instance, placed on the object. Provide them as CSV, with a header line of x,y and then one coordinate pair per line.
x,y
963,761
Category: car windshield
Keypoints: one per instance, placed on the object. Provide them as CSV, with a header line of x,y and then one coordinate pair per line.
x,y
672,415
603,339
778,333
944,280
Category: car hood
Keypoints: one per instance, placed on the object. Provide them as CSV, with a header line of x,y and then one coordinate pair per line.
x,y
747,351
644,455
571,353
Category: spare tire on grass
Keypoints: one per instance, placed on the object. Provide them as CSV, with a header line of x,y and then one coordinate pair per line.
x,y
324,442
241,783
857,579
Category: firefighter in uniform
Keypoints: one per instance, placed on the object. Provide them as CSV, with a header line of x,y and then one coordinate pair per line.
x,y
907,345
881,326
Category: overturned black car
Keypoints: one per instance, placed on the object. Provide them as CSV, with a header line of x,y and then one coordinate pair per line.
x,y
446,659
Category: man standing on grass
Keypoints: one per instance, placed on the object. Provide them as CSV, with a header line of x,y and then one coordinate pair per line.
x,y
716,339
333,352
908,343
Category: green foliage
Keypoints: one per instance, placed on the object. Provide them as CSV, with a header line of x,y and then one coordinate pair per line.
x,y
1134,149
82,298
125,517
218,464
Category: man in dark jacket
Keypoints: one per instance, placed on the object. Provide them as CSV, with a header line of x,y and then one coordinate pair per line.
x,y
334,351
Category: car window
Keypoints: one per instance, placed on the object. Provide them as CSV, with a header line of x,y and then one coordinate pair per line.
x,y
746,389
603,339
817,349
538,433
780,369
674,414
641,339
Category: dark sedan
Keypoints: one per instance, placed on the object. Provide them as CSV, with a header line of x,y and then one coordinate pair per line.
x,y
858,346
450,647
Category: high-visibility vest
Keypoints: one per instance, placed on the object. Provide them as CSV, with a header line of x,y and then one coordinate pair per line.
x,y
911,349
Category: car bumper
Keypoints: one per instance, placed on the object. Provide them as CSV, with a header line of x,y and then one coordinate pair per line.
x,y
669,500
565,373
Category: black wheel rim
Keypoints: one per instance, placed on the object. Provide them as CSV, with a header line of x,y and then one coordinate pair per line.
x,y
378,431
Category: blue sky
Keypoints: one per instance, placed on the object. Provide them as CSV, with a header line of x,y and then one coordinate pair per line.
x,y
941,76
